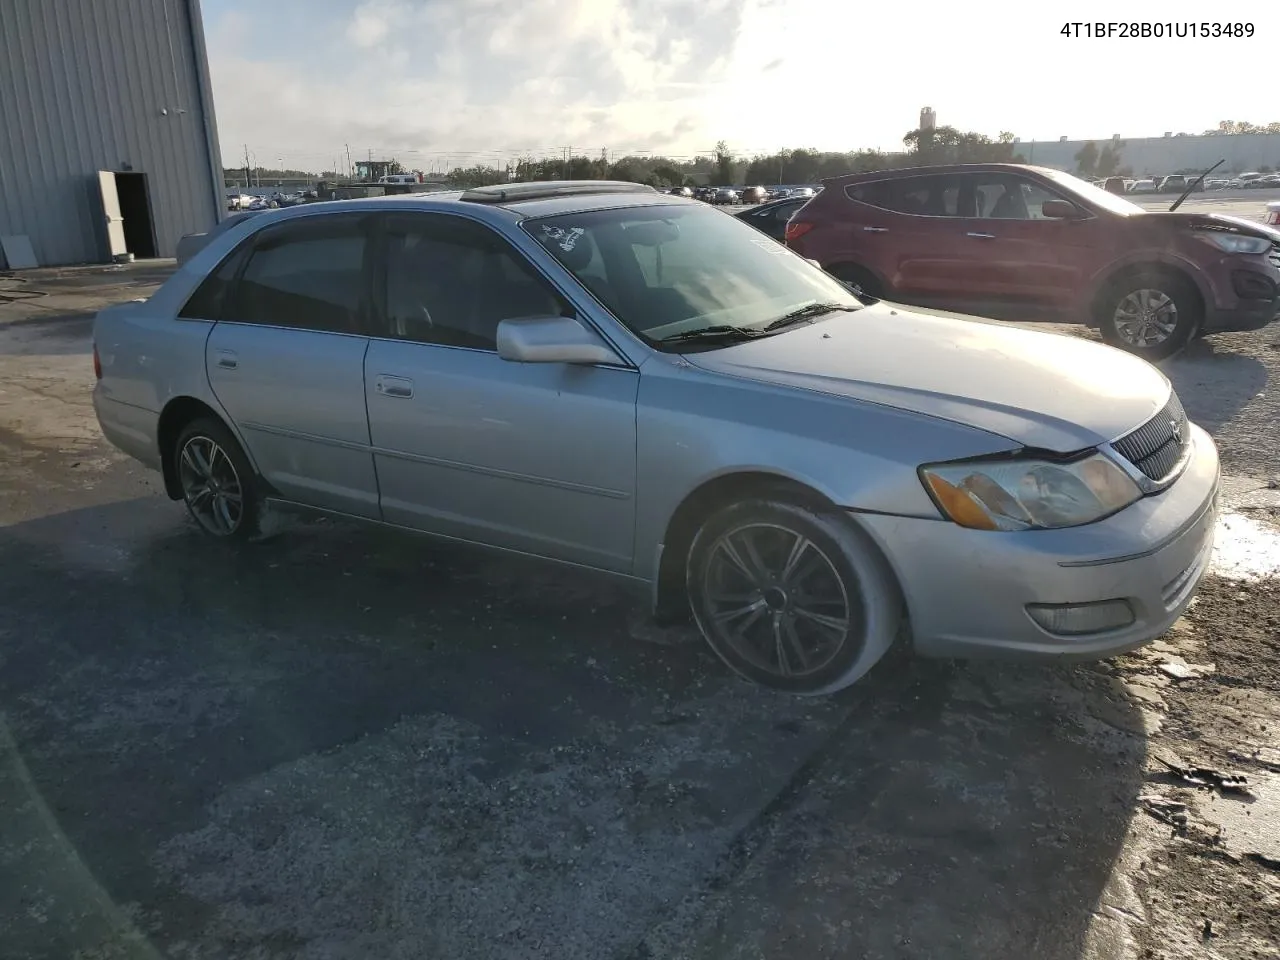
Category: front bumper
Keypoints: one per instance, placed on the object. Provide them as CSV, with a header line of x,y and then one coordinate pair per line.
x,y
967,591
1246,294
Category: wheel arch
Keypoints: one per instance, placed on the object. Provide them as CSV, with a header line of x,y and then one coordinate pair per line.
x,y
853,266
177,413
1147,264
670,599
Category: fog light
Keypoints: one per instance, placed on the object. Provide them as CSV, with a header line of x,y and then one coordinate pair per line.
x,y
1080,619
1252,286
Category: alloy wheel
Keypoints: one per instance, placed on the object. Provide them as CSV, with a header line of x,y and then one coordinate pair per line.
x,y
211,486
1145,318
776,598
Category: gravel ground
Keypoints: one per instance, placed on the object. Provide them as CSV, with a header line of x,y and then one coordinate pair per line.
x,y
348,743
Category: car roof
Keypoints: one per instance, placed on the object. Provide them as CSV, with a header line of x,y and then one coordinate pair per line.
x,y
944,168
494,211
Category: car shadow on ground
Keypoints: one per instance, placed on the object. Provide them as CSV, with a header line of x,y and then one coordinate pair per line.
x,y
349,742
1213,383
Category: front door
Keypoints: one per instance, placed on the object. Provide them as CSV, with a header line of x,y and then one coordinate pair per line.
x,y
1025,265
531,456
286,361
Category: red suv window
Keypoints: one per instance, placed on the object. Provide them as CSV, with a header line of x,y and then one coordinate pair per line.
x,y
932,196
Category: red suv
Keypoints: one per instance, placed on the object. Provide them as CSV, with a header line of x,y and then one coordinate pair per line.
x,y
1019,242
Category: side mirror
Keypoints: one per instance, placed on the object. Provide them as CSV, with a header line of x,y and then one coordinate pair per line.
x,y
1059,210
552,340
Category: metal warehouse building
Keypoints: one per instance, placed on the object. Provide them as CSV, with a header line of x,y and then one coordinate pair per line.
x,y
108,143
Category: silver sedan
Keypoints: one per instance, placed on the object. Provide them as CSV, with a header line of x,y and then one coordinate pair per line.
x,y
602,375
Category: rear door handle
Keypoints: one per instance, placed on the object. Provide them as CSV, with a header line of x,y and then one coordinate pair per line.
x,y
397,387
982,236
875,229
228,360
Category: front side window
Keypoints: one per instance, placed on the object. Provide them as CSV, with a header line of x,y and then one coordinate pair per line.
x,y
674,271
451,281
308,274
999,196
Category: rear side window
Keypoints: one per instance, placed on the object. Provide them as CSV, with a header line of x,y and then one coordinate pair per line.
x,y
932,196
310,274
209,299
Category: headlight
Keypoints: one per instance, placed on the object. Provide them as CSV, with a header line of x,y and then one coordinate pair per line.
x,y
1236,242
1024,494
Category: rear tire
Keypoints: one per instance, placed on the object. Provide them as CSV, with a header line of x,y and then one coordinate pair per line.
x,y
792,598
859,277
217,482
1152,314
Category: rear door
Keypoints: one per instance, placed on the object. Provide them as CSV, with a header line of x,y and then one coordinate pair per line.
x,y
286,360
907,229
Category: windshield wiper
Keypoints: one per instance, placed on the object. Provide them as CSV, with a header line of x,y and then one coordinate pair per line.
x,y
719,331
810,312
1192,185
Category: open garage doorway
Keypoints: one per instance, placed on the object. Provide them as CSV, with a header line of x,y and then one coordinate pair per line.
x,y
126,206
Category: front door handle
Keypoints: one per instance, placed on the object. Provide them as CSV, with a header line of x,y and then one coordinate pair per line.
x,y
875,229
397,387
228,360
981,236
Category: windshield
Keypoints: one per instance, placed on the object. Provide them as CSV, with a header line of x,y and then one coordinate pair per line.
x,y
670,271
1092,194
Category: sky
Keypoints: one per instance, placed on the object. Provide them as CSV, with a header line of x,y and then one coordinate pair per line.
x,y
444,83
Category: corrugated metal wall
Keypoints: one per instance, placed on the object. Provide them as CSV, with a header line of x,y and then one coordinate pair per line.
x,y
88,85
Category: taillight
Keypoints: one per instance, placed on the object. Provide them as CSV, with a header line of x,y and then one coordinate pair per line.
x,y
797,229
97,363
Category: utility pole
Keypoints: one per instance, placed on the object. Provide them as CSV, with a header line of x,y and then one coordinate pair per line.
x,y
246,166
349,167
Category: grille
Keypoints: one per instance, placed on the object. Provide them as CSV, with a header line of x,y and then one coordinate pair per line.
x,y
1156,447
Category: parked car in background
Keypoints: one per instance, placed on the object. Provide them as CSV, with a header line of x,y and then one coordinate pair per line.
x,y
193,243
681,192
754,195
772,217
1115,185
1172,184
802,192
1021,242
725,195
1143,186
1272,214
544,368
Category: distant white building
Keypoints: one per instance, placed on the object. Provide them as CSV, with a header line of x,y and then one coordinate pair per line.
x,y
1155,156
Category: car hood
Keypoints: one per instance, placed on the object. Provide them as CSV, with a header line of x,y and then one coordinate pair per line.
x,y
1212,221
1040,390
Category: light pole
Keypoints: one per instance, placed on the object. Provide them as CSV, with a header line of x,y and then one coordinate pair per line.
x,y
279,170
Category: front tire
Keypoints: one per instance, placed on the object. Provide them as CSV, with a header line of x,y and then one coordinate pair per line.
x,y
792,598
1152,314
217,482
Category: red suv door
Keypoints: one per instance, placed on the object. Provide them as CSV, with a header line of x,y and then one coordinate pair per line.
x,y
891,229
1024,262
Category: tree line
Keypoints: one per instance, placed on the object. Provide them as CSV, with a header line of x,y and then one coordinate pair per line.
x,y
921,147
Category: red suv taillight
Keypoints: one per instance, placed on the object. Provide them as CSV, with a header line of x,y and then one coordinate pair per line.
x,y
797,229
97,363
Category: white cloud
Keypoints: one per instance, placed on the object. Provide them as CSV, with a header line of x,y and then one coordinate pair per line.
x,y
369,25
492,79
